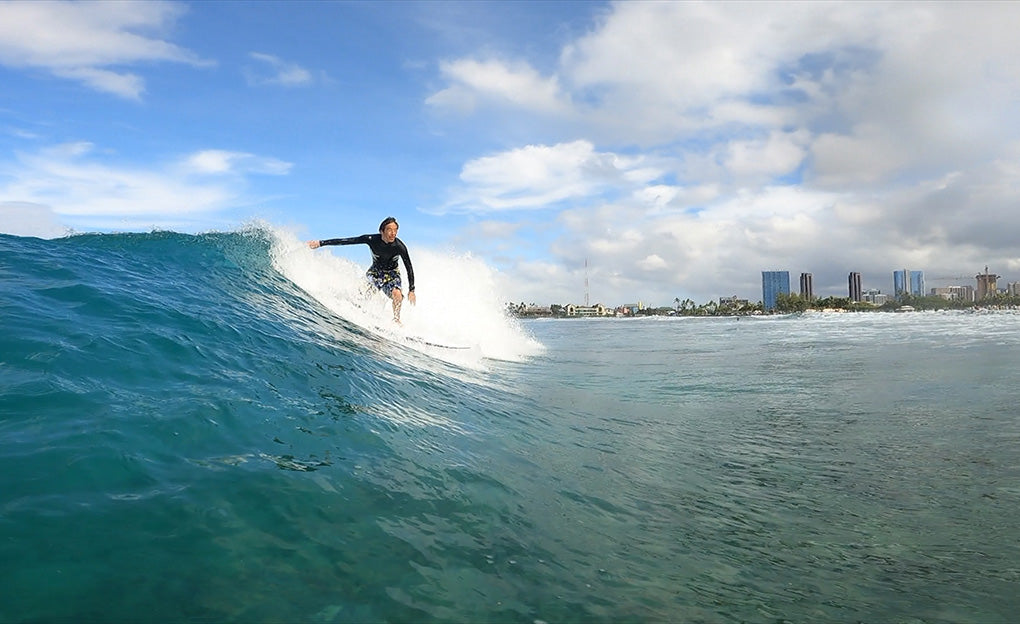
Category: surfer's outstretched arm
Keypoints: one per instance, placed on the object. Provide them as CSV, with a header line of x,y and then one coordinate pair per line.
x,y
354,240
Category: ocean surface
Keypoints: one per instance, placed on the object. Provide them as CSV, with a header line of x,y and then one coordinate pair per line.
x,y
226,428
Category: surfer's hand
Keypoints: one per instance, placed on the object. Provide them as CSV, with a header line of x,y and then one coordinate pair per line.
x,y
313,244
410,297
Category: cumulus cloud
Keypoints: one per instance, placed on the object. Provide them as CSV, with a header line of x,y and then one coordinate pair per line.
x,y
851,78
474,82
653,262
91,42
536,176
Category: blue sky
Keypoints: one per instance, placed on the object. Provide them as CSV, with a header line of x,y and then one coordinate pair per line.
x,y
681,148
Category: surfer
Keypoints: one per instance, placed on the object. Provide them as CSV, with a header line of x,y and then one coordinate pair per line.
x,y
383,273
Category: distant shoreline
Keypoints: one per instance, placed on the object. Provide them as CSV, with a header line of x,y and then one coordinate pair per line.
x,y
670,313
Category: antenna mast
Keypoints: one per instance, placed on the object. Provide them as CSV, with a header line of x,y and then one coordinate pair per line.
x,y
586,304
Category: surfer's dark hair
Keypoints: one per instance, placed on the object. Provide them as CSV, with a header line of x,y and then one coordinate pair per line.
x,y
387,221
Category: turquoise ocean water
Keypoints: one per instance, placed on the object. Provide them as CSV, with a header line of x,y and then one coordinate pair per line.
x,y
220,428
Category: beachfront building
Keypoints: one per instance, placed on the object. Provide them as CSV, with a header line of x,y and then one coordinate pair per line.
x,y
854,286
596,310
899,283
908,283
773,283
733,302
917,283
874,297
986,284
807,287
954,293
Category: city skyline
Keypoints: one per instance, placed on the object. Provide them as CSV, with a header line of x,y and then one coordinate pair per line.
x,y
917,284
779,281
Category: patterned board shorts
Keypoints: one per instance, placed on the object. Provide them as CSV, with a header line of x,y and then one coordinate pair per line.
x,y
385,281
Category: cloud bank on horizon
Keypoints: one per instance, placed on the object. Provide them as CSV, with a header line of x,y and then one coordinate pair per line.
x,y
678,148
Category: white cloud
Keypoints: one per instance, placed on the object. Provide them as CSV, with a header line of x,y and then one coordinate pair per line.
x,y
778,154
90,42
281,73
537,176
657,72
658,195
681,53
218,162
88,191
473,82
653,262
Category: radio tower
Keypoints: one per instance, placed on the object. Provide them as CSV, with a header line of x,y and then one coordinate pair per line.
x,y
586,304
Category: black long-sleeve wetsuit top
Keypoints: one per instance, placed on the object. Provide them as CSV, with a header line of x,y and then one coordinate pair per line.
x,y
384,255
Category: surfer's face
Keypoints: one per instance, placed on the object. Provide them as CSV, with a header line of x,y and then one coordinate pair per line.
x,y
389,233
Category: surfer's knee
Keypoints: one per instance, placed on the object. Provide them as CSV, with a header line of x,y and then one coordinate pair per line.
x,y
397,295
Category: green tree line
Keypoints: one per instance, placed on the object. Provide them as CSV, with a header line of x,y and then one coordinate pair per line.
x,y
792,302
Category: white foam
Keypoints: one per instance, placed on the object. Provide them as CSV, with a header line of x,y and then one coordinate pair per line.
x,y
457,300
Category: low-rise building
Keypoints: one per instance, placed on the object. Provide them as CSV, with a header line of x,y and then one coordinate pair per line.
x,y
874,297
579,310
733,302
954,293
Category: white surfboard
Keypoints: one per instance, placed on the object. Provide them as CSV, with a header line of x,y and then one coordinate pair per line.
x,y
430,343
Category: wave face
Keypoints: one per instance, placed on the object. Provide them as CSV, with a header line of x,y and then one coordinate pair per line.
x,y
180,419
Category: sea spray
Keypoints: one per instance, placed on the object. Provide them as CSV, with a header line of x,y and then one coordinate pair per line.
x,y
457,300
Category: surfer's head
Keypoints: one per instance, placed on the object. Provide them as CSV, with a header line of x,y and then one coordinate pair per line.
x,y
388,228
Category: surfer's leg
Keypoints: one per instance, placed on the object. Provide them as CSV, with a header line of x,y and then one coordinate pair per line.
x,y
389,283
398,300
392,287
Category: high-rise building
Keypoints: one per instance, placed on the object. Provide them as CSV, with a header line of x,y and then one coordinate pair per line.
x,y
899,283
807,287
986,284
917,283
854,286
908,283
773,283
